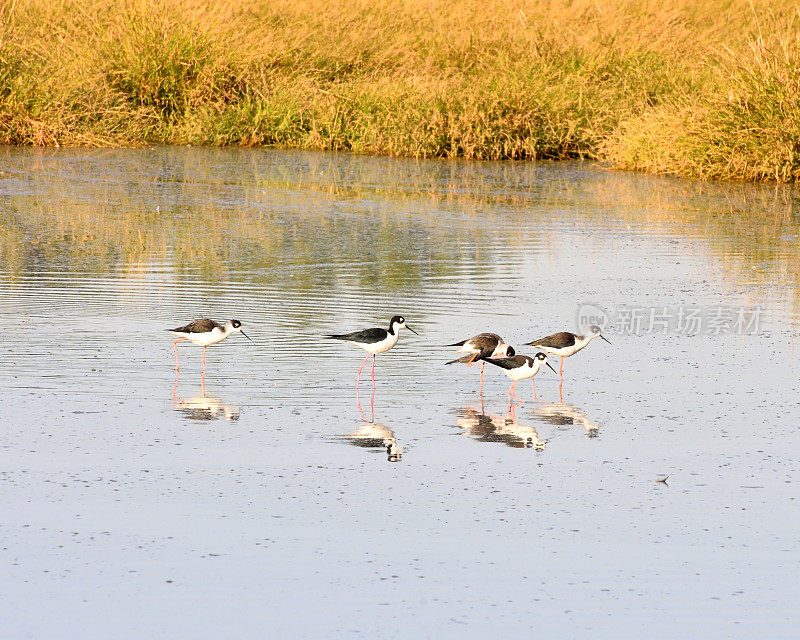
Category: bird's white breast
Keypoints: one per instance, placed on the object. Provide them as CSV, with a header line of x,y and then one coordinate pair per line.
x,y
379,347
565,352
207,338
525,371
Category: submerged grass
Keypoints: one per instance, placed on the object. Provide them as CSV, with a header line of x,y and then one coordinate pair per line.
x,y
701,89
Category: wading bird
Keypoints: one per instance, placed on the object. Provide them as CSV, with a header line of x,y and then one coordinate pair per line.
x,y
519,368
373,341
481,347
204,333
565,344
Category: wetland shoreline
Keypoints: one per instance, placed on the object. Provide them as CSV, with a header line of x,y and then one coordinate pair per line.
x,y
706,91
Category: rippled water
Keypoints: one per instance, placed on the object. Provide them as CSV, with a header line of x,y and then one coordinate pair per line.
x,y
135,506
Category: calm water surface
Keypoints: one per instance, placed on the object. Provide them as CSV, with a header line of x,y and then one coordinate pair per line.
x,y
136,507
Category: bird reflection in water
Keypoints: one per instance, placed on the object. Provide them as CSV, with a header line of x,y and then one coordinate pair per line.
x,y
562,414
497,428
376,436
372,435
203,407
206,408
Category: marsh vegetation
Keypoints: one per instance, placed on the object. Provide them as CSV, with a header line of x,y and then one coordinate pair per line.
x,y
709,90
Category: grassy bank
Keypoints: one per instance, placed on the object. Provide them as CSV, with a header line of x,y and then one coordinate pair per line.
x,y
710,91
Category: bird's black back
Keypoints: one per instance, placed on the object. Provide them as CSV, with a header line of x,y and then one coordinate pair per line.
x,y
514,362
204,325
485,342
366,336
556,341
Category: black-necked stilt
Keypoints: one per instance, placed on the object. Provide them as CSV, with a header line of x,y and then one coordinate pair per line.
x,y
481,347
374,341
565,344
204,333
521,367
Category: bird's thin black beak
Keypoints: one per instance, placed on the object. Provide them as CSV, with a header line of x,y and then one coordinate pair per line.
x,y
246,336
604,338
411,330
551,367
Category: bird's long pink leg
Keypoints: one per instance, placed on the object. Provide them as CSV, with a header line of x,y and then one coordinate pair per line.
x,y
483,364
534,388
513,389
373,375
175,344
203,375
358,375
372,405
561,368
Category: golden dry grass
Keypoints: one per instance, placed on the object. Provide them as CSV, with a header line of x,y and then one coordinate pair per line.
x,y
701,89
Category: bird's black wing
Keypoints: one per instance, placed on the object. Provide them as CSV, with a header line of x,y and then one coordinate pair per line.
x,y
514,362
204,325
367,336
466,359
487,343
482,341
556,341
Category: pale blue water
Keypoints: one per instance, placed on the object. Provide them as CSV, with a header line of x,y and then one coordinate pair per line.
x,y
136,508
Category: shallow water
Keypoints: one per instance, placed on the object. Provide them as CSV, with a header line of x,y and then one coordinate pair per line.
x,y
137,507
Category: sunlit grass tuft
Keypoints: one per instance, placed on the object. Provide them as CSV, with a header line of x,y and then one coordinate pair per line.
x,y
747,127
